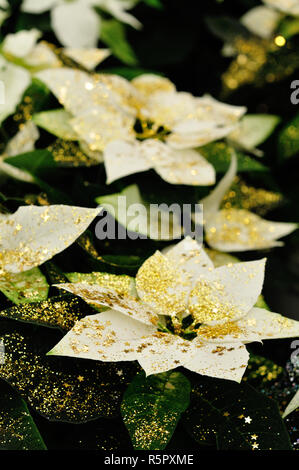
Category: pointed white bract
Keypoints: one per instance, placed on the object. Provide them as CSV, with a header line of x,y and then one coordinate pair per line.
x,y
234,229
262,21
164,286
292,406
290,7
33,234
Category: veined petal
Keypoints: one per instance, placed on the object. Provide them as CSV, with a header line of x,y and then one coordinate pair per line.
x,y
269,325
21,43
162,285
15,80
227,293
89,58
77,91
33,235
162,352
186,166
261,21
292,406
76,24
103,124
240,230
107,336
149,83
212,202
23,141
40,6
222,361
123,158
190,257
127,304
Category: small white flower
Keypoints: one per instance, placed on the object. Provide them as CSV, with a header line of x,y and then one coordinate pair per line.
x,y
76,23
238,229
181,283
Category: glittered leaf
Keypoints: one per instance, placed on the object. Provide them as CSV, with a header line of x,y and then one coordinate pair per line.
x,y
29,286
60,389
219,155
58,312
288,143
152,406
56,122
122,283
18,430
236,416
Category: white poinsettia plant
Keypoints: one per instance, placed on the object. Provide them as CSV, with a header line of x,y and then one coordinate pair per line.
x,y
181,311
76,23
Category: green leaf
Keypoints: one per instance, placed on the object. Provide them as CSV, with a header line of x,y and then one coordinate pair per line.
x,y
113,34
56,122
152,407
60,389
37,163
57,312
236,416
25,287
18,430
219,155
154,4
288,140
254,129
289,27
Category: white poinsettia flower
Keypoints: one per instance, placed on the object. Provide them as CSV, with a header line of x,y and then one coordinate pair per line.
x,y
290,7
33,234
22,142
292,406
76,23
238,229
148,327
104,110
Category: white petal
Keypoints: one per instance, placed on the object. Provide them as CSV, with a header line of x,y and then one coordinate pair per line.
x,y
223,361
212,202
190,257
56,122
227,293
22,43
261,21
15,80
123,158
23,141
292,406
149,83
253,130
102,125
38,6
290,7
98,295
240,230
269,325
76,24
162,285
77,91
117,9
229,332
42,56
33,235
162,352
89,58
107,336
168,108
186,166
